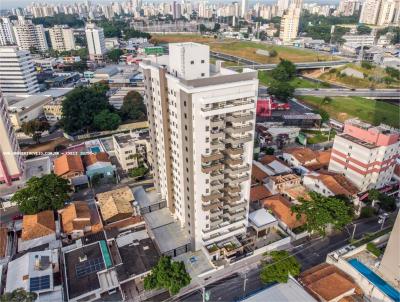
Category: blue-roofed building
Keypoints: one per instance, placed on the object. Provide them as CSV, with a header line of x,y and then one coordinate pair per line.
x,y
99,164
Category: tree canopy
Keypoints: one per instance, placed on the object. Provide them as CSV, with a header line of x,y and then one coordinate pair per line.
x,y
279,266
133,107
106,120
284,71
167,274
18,295
363,29
59,19
283,91
33,126
48,192
81,105
114,55
322,211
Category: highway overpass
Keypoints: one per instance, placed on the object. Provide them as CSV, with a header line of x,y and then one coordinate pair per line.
x,y
383,94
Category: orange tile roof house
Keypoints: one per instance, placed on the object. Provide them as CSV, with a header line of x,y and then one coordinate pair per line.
x,y
116,205
299,156
76,219
258,193
91,159
328,283
258,175
329,184
37,229
68,166
281,208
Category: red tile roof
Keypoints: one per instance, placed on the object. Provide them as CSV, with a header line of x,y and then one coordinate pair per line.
x,y
93,158
68,163
259,192
38,225
303,155
258,174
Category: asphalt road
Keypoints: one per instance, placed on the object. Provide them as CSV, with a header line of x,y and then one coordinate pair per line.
x,y
309,254
377,93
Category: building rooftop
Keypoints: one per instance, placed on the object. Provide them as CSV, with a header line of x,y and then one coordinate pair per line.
x,y
358,141
335,182
281,208
259,192
91,159
17,105
38,225
279,179
68,163
303,155
261,218
327,282
118,201
75,216
146,198
38,167
257,173
282,292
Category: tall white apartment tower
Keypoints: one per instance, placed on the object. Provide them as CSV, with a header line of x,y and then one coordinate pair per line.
x,y
370,11
290,22
17,72
62,38
202,129
29,35
244,8
387,12
11,161
95,42
6,32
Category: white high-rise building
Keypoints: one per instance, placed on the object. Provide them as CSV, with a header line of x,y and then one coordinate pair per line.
x,y
62,38
365,154
28,35
17,72
290,22
347,7
202,129
6,32
370,11
244,8
11,160
282,5
95,41
386,12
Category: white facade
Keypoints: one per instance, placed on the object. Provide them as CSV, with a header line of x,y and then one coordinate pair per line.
x,y
365,40
387,12
11,162
28,35
95,42
6,32
290,22
62,38
17,73
202,130
370,11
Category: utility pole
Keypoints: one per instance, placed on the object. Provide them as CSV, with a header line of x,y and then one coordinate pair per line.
x,y
244,283
354,232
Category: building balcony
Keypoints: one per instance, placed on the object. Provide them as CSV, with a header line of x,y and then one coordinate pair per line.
x,y
233,207
232,198
216,176
207,206
232,189
239,139
217,134
215,212
212,167
217,144
212,157
229,104
214,222
234,161
232,229
238,170
238,129
233,151
237,217
214,195
216,122
235,180
216,185
239,118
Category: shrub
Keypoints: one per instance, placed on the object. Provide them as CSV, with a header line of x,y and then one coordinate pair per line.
x,y
367,212
371,247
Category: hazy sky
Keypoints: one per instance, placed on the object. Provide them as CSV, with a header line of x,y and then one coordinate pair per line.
x,y
5,4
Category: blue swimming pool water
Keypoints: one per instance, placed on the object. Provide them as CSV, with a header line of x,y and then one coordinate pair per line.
x,y
376,280
95,149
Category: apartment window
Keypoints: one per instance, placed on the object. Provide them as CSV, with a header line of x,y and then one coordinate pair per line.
x,y
202,74
184,103
202,61
192,62
207,181
207,128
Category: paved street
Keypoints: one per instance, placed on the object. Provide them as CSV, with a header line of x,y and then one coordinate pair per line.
x,y
245,282
377,93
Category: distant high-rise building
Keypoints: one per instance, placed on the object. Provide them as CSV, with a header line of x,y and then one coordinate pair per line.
x,y
244,8
370,11
62,38
17,72
202,130
347,7
6,32
387,12
95,42
29,35
11,160
282,5
290,22
365,154
176,10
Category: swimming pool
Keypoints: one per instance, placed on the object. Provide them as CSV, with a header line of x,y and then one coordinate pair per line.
x,y
95,149
376,280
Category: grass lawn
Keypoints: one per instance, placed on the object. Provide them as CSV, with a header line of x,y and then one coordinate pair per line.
x,y
343,108
316,137
245,49
265,78
377,73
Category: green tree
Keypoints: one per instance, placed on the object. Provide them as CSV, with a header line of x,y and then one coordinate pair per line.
x,y
106,120
367,212
273,53
278,267
33,126
133,107
366,65
81,105
393,72
326,100
281,90
113,55
322,211
59,19
18,295
284,71
48,192
167,274
373,194
363,29
324,115
138,172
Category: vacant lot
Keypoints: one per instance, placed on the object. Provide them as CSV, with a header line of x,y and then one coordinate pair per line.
x,y
246,49
343,108
265,78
